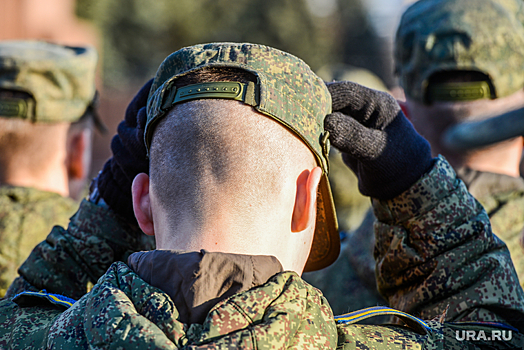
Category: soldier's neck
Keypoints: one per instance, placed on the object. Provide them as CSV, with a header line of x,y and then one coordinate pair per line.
x,y
52,179
259,236
503,158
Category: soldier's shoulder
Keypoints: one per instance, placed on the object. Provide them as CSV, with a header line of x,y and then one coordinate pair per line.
x,y
26,199
25,326
27,215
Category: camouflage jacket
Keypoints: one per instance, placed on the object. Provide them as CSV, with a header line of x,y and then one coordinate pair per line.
x,y
69,261
503,198
436,258
26,217
349,283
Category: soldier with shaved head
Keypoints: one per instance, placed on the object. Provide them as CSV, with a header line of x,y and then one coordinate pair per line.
x,y
237,198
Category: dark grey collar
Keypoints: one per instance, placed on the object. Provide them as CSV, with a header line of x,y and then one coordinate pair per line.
x,y
196,281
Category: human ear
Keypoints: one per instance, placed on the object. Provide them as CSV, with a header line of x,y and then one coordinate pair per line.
x,y
79,155
142,204
304,212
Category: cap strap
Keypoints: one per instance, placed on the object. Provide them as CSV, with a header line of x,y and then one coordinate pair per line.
x,y
459,91
226,90
13,108
169,95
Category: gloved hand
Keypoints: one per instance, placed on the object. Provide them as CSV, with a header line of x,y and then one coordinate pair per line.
x,y
129,158
378,143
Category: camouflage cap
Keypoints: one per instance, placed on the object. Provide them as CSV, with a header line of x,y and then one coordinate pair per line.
x,y
61,80
286,91
471,35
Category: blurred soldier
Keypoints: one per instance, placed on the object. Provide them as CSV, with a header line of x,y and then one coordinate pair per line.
x,y
458,60
47,113
231,209
461,61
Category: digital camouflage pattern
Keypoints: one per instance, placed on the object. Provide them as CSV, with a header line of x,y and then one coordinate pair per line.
x,y
502,197
60,78
478,35
434,249
70,260
122,312
349,283
283,313
26,217
460,230
287,90
442,336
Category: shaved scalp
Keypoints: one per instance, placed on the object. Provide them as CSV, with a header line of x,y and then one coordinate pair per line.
x,y
211,152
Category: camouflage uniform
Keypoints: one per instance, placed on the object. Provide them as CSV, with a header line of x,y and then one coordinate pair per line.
x,y
484,36
503,198
26,216
435,35
69,262
349,284
60,81
436,258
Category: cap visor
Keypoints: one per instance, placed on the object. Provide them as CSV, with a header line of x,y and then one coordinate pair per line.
x,y
326,241
472,135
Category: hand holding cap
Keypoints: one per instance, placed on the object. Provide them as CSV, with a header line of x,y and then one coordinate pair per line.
x,y
378,143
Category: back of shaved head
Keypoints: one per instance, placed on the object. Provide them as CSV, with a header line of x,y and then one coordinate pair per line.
x,y
212,153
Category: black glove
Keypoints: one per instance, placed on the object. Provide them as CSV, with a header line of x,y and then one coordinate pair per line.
x,y
129,158
378,143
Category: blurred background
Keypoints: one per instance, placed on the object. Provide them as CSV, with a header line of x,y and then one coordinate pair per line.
x,y
134,36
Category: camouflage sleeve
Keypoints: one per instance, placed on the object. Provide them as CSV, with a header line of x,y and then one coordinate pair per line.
x,y
436,254
69,260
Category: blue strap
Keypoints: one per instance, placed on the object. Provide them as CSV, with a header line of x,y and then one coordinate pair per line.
x,y
28,298
411,321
